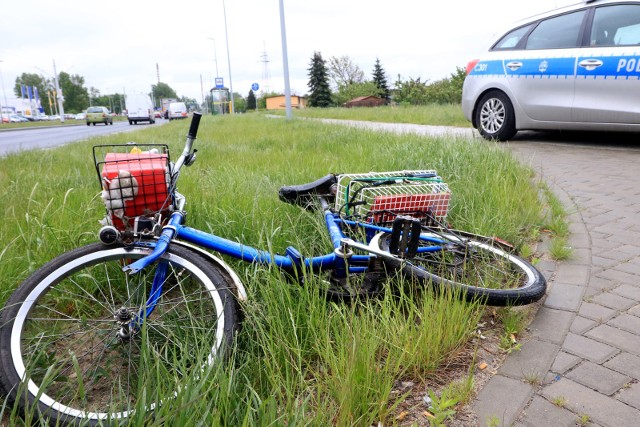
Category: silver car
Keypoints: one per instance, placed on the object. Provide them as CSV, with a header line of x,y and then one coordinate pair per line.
x,y
574,68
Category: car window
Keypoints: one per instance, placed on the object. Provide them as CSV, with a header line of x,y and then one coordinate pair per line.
x,y
557,32
512,38
616,25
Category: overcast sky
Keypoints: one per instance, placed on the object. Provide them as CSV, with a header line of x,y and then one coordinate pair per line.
x,y
116,44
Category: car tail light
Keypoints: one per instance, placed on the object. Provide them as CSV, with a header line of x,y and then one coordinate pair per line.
x,y
471,64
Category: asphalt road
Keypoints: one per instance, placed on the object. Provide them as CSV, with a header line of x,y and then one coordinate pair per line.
x,y
12,141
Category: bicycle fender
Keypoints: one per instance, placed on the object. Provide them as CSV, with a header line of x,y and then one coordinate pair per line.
x,y
239,291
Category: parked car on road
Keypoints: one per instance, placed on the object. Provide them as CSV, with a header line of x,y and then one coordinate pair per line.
x,y
574,68
99,115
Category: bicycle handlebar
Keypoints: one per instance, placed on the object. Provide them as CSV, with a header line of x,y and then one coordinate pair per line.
x,y
191,137
195,123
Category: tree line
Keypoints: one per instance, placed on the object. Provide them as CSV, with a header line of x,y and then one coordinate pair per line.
x,y
339,80
331,83
78,98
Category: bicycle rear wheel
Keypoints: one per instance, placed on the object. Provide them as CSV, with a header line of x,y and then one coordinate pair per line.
x,y
479,268
67,347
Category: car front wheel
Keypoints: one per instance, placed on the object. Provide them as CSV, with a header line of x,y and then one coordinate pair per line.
x,y
495,118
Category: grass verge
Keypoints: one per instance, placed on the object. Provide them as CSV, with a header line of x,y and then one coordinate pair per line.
x,y
299,360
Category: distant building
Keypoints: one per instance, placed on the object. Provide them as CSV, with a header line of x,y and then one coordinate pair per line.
x,y
20,106
279,102
365,101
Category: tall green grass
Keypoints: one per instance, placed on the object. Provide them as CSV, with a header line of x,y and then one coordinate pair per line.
x,y
434,114
299,360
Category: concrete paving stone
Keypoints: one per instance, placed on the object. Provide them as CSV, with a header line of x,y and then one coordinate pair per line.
x,y
603,263
589,293
604,410
630,395
562,296
564,362
628,291
618,338
625,363
635,310
588,348
580,241
576,226
532,361
596,312
600,283
542,413
606,220
600,242
618,276
551,325
598,377
626,322
547,268
611,300
581,325
632,267
572,274
579,256
631,249
501,398
615,255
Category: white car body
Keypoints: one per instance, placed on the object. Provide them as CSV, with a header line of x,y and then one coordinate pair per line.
x,y
139,108
537,77
177,110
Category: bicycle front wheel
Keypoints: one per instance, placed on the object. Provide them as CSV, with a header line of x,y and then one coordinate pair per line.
x,y
476,266
80,344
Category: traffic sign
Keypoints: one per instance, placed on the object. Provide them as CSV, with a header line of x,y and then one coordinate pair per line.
x,y
219,83
255,87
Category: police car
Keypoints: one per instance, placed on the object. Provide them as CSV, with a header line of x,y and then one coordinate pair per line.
x,y
574,68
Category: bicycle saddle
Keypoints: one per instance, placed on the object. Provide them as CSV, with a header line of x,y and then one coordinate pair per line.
x,y
305,194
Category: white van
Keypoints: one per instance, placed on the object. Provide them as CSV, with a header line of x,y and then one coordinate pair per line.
x,y
177,110
139,108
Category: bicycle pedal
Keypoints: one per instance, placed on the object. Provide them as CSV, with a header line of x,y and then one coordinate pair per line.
x,y
405,237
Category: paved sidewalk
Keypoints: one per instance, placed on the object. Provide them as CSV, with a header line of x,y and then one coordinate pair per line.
x,y
585,348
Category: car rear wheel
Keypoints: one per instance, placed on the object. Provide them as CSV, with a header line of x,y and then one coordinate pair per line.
x,y
495,118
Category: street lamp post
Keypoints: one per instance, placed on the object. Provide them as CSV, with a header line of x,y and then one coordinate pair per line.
x,y
226,35
58,93
285,62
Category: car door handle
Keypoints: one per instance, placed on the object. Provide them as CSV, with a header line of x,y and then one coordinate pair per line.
x,y
514,65
590,64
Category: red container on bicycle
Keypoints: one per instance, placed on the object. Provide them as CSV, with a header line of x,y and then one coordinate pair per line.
x,y
135,184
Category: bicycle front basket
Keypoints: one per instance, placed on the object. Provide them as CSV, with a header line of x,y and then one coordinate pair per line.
x,y
135,180
378,197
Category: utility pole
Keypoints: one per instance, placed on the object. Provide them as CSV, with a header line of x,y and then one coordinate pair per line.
x,y
58,92
285,62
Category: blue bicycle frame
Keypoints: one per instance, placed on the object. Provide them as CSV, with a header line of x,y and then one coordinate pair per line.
x,y
342,262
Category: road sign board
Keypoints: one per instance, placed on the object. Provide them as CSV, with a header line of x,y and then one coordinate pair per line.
x,y
255,87
219,83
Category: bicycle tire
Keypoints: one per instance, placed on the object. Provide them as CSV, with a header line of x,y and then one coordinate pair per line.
x,y
477,267
63,351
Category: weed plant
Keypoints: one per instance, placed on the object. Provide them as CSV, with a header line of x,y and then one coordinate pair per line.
x,y
299,360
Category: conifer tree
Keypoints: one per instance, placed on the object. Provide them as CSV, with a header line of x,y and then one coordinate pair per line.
x,y
380,79
251,100
320,94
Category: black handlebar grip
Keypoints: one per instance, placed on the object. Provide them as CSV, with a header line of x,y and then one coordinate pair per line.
x,y
195,123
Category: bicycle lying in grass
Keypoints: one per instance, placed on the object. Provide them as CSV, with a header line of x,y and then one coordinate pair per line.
x,y
107,331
